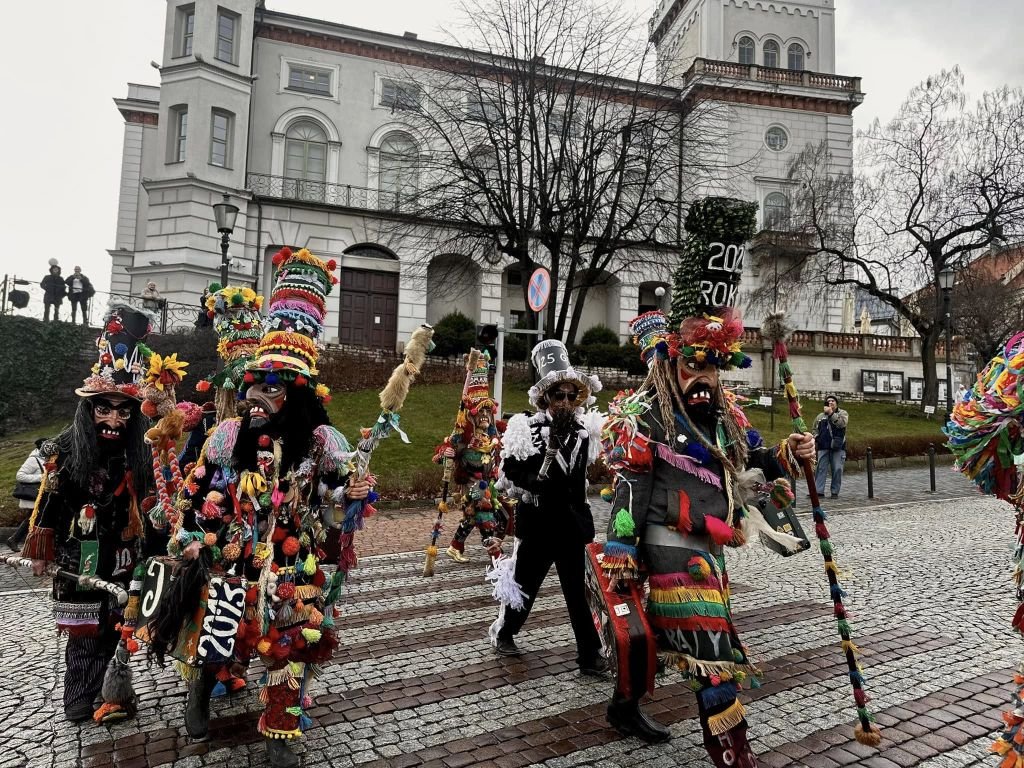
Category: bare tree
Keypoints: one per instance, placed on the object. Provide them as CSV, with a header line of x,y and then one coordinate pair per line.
x,y
989,304
934,186
544,143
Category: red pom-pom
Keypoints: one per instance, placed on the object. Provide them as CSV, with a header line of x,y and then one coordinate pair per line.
x,y
90,513
279,535
274,567
148,409
106,358
203,386
248,378
325,399
286,591
282,256
290,546
264,441
132,645
300,380
252,596
277,364
719,530
319,578
332,265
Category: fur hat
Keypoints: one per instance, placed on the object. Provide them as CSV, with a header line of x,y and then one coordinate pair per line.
x,y
551,359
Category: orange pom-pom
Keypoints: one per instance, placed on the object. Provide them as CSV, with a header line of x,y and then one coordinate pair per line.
x,y
148,409
202,386
290,546
132,645
210,539
263,647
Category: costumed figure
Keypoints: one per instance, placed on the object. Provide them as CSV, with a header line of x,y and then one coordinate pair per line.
x,y
689,473
235,314
472,448
545,457
88,518
986,435
266,524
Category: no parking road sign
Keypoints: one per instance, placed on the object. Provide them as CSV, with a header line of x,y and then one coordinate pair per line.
x,y
539,289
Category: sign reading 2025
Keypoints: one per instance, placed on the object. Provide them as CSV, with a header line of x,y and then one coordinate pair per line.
x,y
722,272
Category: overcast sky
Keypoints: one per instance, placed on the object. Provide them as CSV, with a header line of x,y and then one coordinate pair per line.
x,y
65,60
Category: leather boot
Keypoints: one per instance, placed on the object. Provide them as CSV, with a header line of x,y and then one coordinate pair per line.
x,y
730,749
625,716
280,755
197,705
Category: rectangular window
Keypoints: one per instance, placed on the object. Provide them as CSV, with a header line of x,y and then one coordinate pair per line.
x,y
227,24
179,134
220,138
186,27
482,109
399,96
309,80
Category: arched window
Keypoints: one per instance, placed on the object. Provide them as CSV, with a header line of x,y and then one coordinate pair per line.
x,y
796,56
776,211
398,153
771,54
305,147
746,50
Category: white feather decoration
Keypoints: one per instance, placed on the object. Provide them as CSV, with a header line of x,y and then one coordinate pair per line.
x,y
594,420
517,442
502,575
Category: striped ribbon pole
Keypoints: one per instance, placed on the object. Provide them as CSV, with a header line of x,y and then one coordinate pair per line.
x,y
866,732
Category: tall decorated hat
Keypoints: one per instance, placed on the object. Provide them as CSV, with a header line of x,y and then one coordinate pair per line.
x,y
706,287
476,391
551,359
236,319
293,331
122,355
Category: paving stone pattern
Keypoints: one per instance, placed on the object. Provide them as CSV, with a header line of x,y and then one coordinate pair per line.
x,y
414,682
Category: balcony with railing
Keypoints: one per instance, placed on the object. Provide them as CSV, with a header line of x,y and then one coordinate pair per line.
x,y
732,70
855,345
326,193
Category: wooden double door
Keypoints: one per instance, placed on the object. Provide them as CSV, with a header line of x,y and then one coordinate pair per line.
x,y
369,308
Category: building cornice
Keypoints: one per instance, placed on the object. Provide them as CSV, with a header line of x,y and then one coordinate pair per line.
x,y
139,111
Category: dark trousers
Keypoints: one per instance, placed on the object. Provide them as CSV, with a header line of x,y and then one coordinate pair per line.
x,y
77,300
533,561
87,659
46,311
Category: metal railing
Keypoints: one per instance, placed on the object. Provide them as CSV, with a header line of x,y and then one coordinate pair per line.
x,y
342,195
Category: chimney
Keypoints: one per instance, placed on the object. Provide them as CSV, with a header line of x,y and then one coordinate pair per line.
x,y
409,35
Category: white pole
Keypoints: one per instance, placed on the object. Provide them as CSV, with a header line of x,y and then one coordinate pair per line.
x,y
499,377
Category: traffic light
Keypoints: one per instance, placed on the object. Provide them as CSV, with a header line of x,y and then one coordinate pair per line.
x,y
487,340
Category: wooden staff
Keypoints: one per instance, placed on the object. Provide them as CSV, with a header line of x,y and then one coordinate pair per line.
x,y
89,582
866,732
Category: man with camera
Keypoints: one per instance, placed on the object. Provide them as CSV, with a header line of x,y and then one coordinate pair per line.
x,y
830,440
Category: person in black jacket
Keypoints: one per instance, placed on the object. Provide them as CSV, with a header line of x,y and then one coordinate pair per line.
x,y
544,465
53,292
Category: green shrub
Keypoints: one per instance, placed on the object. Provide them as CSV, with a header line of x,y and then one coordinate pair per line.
x,y
599,334
893,446
454,334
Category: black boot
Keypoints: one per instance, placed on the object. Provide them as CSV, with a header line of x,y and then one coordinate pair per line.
x,y
280,755
625,716
197,706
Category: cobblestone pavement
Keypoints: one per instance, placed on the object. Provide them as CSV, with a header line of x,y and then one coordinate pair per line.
x,y
415,684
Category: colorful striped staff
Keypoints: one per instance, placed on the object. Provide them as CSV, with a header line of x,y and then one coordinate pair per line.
x,y
866,732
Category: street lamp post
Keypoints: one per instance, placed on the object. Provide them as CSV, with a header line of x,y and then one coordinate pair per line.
x,y
947,276
224,214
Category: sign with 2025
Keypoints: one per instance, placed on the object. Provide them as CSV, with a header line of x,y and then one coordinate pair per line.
x,y
721,274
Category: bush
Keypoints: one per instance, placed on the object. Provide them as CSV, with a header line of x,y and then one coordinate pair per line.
x,y
890,447
599,334
454,334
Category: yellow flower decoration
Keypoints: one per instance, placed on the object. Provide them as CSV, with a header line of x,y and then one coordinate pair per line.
x,y
165,371
322,390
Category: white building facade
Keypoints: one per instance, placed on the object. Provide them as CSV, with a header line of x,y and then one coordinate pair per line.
x,y
300,121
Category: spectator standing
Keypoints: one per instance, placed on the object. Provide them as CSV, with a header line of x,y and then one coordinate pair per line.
x,y
80,290
28,478
53,292
151,299
830,440
204,319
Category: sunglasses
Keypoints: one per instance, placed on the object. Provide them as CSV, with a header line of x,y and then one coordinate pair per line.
x,y
105,410
558,396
